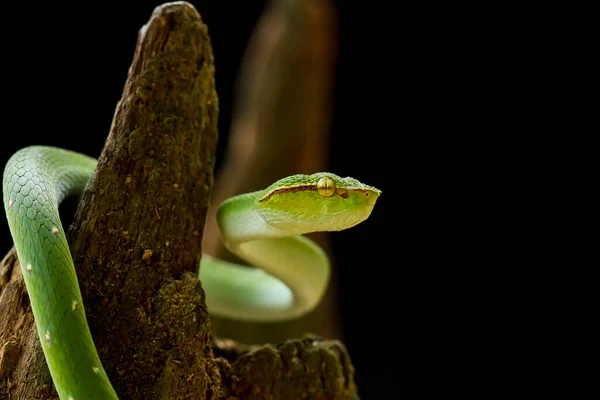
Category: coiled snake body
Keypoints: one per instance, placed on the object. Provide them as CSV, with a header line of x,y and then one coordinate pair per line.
x,y
265,228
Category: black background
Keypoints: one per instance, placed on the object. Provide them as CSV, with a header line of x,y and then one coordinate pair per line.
x,y
405,103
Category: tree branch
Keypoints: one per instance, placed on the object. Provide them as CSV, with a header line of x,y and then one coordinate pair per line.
x,y
137,234
307,368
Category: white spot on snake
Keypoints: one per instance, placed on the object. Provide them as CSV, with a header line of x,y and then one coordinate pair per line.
x,y
55,230
75,306
48,338
96,369
10,203
28,267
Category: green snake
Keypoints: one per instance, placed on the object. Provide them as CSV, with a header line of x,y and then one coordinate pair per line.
x,y
264,228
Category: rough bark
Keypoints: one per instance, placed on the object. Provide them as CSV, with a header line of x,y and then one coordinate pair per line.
x,y
137,233
136,241
138,229
306,368
23,370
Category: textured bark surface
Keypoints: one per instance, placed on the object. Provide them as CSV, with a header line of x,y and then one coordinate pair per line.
x,y
136,236
137,233
23,370
136,241
307,368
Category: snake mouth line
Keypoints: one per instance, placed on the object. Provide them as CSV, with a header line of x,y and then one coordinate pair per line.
x,y
288,189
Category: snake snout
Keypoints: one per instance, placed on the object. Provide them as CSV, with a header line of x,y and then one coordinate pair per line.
x,y
372,197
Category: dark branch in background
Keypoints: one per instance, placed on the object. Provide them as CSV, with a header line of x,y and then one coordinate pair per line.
x,y
281,127
136,241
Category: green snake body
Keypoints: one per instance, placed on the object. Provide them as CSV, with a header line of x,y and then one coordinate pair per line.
x,y
265,228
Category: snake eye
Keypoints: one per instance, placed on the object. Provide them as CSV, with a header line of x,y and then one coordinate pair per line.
x,y
326,187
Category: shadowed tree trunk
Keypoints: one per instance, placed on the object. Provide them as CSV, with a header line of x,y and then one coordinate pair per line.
x,y
136,242
280,127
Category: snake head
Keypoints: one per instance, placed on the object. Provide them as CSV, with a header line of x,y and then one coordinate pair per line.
x,y
317,202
